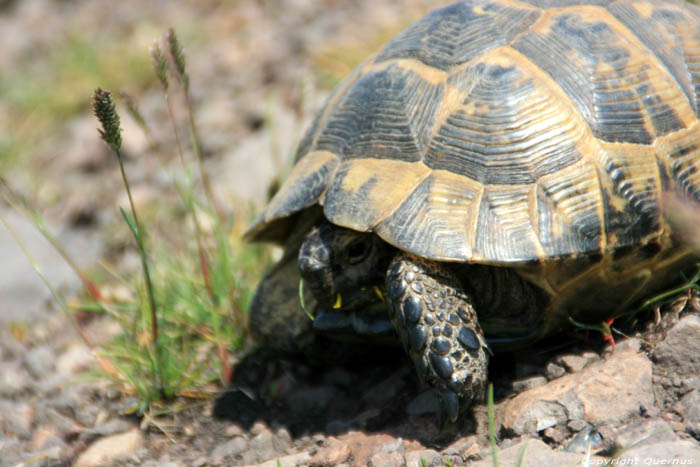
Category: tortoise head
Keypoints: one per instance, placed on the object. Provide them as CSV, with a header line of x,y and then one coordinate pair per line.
x,y
344,269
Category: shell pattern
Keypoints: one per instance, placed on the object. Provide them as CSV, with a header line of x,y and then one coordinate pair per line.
x,y
509,132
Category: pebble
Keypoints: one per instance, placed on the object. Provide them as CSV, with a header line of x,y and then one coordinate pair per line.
x,y
575,363
554,371
429,456
578,425
44,437
587,439
463,447
529,383
74,360
40,361
14,379
230,448
556,434
111,449
332,453
16,418
364,446
387,459
396,445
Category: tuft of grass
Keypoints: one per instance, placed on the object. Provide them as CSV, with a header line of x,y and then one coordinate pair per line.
x,y
193,303
189,305
106,113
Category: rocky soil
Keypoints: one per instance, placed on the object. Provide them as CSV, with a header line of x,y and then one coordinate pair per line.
x,y
556,404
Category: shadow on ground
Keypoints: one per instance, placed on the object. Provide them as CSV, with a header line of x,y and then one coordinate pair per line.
x,y
375,392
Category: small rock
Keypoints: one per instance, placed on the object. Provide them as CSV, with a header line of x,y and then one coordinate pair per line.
x,y
230,448
539,415
587,439
529,383
258,427
44,437
16,418
14,378
463,447
40,361
387,459
283,437
396,445
64,424
575,363
111,449
189,430
266,445
554,371
429,456
234,430
556,434
363,446
578,425
77,358
333,453
537,454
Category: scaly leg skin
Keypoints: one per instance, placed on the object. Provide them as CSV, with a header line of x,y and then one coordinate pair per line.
x,y
438,327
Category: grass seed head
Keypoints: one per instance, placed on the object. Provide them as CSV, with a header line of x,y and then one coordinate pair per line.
x,y
106,113
178,55
160,65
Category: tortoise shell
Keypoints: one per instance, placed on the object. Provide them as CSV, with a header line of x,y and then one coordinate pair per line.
x,y
512,132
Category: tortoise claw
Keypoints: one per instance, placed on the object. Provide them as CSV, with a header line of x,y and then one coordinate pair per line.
x,y
449,406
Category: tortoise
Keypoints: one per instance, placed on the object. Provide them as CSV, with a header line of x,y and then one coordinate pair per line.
x,y
499,167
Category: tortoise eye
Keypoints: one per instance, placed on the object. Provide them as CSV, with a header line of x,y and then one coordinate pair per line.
x,y
357,251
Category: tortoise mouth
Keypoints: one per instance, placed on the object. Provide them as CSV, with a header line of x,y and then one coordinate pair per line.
x,y
354,323
361,312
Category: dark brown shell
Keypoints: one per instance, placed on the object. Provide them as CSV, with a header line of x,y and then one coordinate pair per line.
x,y
507,132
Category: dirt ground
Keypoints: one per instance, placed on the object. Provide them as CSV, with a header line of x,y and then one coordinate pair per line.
x,y
259,71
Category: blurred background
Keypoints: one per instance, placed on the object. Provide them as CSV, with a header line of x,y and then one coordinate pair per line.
x,y
259,70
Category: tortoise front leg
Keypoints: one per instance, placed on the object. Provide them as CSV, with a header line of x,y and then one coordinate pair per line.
x,y
438,327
